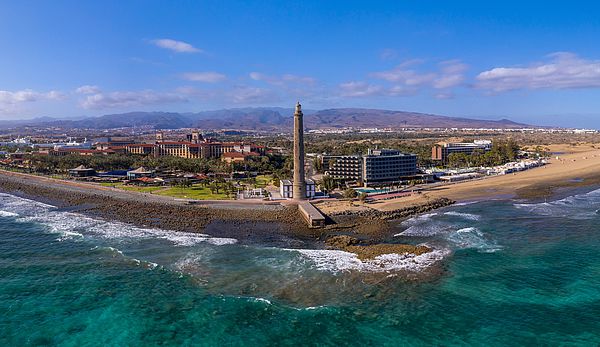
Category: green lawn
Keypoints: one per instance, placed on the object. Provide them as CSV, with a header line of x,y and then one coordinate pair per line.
x,y
195,192
141,189
132,188
116,185
263,180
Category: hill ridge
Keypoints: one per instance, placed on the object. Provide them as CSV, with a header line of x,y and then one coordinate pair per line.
x,y
271,118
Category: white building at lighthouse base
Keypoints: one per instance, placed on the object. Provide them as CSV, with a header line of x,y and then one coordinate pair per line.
x,y
286,189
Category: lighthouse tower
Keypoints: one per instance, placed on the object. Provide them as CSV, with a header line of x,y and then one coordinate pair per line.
x,y
299,186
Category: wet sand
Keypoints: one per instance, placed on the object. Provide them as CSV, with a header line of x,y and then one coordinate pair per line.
x,y
576,166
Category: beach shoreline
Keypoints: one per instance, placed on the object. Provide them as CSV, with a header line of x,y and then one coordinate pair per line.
x,y
265,225
257,221
577,167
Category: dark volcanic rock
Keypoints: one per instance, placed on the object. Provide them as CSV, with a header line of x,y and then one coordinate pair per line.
x,y
399,213
341,241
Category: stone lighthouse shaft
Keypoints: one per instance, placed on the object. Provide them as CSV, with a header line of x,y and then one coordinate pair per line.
x,y
299,186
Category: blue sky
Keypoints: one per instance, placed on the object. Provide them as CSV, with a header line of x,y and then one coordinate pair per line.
x,y
537,62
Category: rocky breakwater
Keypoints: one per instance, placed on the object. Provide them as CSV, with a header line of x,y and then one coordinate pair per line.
x,y
146,211
400,213
371,251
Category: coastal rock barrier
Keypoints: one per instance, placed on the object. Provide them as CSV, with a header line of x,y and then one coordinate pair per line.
x,y
371,251
398,213
231,220
148,211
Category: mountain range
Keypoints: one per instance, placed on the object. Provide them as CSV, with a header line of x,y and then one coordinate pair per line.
x,y
269,119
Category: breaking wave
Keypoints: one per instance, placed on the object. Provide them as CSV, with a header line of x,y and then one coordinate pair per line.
x,y
8,214
472,237
455,233
580,206
339,261
468,216
69,225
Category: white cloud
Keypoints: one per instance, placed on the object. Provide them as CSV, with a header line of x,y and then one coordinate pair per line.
x,y
129,98
208,76
360,89
175,46
11,103
27,95
563,71
200,94
87,89
450,74
401,91
444,95
252,95
405,75
55,95
388,54
283,79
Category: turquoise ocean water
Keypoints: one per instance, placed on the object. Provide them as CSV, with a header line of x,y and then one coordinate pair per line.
x,y
504,273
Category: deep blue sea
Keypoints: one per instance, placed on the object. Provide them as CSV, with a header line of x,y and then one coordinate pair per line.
x,y
503,273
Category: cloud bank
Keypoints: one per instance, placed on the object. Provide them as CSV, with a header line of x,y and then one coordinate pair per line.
x,y
564,70
101,100
175,46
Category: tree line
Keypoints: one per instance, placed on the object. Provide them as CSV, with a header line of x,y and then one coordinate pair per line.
x,y
502,152
60,164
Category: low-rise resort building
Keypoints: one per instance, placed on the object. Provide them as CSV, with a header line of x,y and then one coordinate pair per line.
x,y
194,146
140,173
286,189
82,171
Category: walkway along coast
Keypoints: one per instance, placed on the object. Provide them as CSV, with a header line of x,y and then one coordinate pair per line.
x,y
241,220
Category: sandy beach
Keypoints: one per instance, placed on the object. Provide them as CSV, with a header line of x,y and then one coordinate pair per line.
x,y
571,167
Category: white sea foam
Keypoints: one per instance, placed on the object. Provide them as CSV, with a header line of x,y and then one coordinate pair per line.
x,y
263,300
114,250
468,216
73,225
419,219
117,253
340,261
8,214
312,308
580,206
472,238
336,261
117,230
423,225
11,200
426,228
457,235
465,203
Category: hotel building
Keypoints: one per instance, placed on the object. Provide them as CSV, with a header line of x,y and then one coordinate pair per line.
x,y
377,167
441,151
